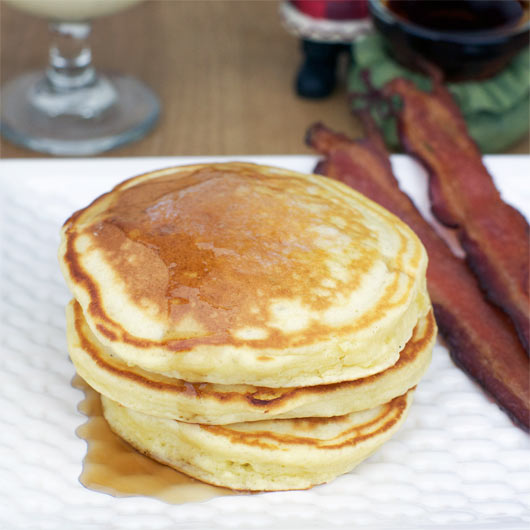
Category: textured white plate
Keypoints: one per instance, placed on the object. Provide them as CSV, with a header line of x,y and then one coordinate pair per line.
x,y
457,463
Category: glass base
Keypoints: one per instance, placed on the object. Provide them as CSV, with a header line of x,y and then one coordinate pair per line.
x,y
32,116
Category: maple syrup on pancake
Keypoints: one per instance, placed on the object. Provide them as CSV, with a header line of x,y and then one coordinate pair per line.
x,y
112,466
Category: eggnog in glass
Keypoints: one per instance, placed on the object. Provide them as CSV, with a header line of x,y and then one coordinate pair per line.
x,y
71,109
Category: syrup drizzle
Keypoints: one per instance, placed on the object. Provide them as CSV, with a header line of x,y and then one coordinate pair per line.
x,y
112,466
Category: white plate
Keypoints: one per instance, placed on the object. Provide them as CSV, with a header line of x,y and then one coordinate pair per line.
x,y
457,463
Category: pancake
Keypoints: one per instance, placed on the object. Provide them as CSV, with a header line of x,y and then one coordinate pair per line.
x,y
211,403
261,456
244,274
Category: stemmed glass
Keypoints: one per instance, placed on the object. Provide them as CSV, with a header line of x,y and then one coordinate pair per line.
x,y
70,109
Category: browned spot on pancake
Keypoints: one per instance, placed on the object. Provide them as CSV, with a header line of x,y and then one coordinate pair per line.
x,y
107,332
264,358
308,424
184,239
144,275
389,415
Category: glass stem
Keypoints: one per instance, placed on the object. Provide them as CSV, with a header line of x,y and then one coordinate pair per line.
x,y
70,59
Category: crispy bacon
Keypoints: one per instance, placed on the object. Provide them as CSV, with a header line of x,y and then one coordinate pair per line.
x,y
494,235
480,337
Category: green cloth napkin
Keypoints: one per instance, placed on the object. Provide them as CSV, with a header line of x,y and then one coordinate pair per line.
x,y
496,110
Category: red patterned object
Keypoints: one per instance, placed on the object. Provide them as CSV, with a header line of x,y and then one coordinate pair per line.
x,y
326,20
333,9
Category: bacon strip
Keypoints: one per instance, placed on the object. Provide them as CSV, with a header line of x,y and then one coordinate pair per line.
x,y
494,235
480,337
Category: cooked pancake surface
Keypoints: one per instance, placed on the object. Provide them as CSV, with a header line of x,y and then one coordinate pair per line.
x,y
236,273
265,455
219,404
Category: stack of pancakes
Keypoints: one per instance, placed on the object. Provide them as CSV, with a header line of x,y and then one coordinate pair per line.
x,y
255,328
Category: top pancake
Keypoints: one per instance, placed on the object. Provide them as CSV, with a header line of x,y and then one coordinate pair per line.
x,y
239,273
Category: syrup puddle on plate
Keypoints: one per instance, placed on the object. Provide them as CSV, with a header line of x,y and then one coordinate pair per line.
x,y
112,466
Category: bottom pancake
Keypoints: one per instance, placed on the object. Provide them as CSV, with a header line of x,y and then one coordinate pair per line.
x,y
266,455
